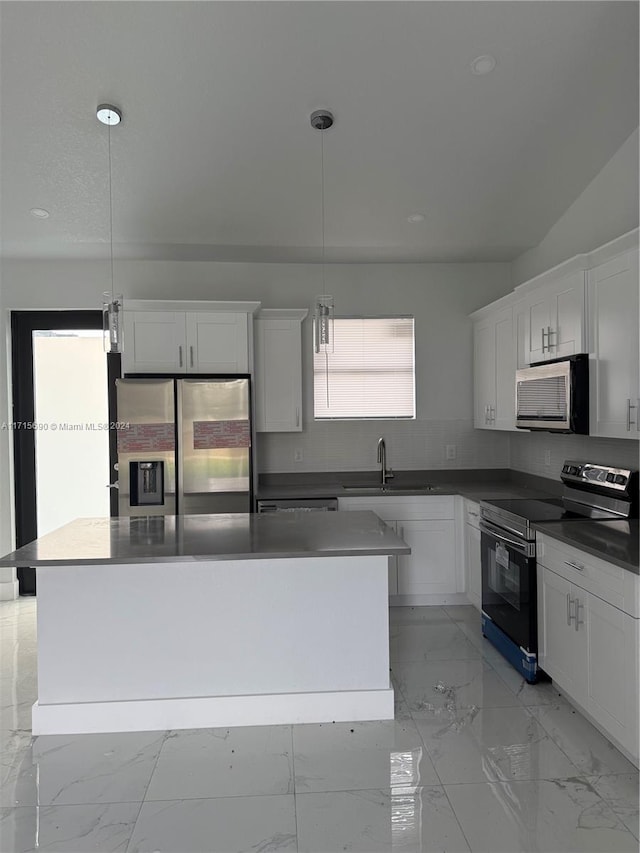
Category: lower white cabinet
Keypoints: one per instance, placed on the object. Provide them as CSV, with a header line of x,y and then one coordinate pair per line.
x,y
433,572
473,554
588,645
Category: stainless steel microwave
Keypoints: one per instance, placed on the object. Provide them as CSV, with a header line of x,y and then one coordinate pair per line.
x,y
554,396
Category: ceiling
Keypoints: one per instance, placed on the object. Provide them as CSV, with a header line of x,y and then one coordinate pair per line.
x,y
216,158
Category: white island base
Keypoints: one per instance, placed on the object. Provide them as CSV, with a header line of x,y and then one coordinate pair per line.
x,y
209,643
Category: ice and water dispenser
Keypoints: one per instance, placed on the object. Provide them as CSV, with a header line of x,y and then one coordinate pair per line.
x,y
146,483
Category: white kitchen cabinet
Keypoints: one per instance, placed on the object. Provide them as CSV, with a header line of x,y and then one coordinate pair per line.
x,y
473,554
154,342
587,644
278,369
554,324
564,653
430,567
494,365
433,573
214,337
217,342
614,345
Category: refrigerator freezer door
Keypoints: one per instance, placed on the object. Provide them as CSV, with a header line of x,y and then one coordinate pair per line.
x,y
214,434
147,407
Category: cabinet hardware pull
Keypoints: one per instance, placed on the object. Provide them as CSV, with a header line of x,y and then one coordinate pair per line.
x,y
578,620
629,421
297,416
191,355
550,332
486,413
569,616
543,334
180,356
492,414
574,565
638,414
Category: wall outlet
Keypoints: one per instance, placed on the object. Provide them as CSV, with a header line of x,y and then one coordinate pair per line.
x,y
547,458
297,454
450,451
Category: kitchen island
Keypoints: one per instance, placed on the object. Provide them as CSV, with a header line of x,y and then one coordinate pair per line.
x,y
211,620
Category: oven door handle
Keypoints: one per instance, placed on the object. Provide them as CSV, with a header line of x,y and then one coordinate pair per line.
x,y
521,547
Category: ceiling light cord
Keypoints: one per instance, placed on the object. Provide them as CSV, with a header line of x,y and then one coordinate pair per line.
x,y
322,198
110,211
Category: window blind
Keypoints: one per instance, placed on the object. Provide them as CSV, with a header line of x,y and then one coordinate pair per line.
x,y
370,374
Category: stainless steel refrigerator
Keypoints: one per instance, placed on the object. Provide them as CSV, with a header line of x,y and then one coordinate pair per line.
x,y
183,446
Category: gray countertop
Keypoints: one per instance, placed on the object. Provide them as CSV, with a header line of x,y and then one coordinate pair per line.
x,y
614,541
241,536
427,483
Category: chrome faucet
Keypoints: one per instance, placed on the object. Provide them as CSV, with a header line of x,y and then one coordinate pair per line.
x,y
387,474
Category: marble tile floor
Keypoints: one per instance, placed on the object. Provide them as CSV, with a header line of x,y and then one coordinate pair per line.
x,y
475,760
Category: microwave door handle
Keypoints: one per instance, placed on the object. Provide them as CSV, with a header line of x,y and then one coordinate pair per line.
x,y
513,543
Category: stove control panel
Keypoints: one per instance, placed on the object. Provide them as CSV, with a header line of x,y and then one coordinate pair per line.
x,y
602,476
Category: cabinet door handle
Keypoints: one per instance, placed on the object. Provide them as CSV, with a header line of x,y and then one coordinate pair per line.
x,y
569,603
297,416
191,355
550,332
180,356
579,621
492,414
637,413
629,421
574,565
543,334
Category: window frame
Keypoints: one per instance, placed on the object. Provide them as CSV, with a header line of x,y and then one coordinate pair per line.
x,y
316,374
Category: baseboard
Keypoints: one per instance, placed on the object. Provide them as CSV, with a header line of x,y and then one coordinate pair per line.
x,y
426,600
213,712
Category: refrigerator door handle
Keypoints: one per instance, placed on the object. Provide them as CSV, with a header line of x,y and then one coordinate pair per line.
x,y
179,460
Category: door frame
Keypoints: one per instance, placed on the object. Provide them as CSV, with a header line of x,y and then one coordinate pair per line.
x,y
23,324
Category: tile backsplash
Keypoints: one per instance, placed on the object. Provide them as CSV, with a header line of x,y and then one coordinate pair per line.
x,y
411,445
418,445
543,453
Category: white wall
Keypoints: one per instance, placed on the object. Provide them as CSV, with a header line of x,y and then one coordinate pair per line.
x,y
440,296
606,208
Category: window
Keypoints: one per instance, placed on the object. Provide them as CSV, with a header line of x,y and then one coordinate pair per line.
x,y
370,373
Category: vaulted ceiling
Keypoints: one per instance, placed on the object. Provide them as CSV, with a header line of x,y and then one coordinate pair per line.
x,y
216,158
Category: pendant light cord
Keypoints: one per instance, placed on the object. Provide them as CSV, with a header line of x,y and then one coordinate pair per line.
x,y
110,212
322,197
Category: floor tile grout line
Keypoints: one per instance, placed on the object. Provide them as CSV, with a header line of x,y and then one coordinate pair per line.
x,y
146,790
293,781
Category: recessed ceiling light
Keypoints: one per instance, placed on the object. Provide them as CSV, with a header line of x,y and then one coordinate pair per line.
x,y
483,64
39,212
416,217
108,114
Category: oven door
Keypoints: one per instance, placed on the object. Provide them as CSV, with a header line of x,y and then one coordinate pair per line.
x,y
509,585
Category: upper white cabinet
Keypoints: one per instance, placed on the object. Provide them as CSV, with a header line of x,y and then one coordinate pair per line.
x,y
212,338
494,370
154,342
554,318
278,369
614,347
